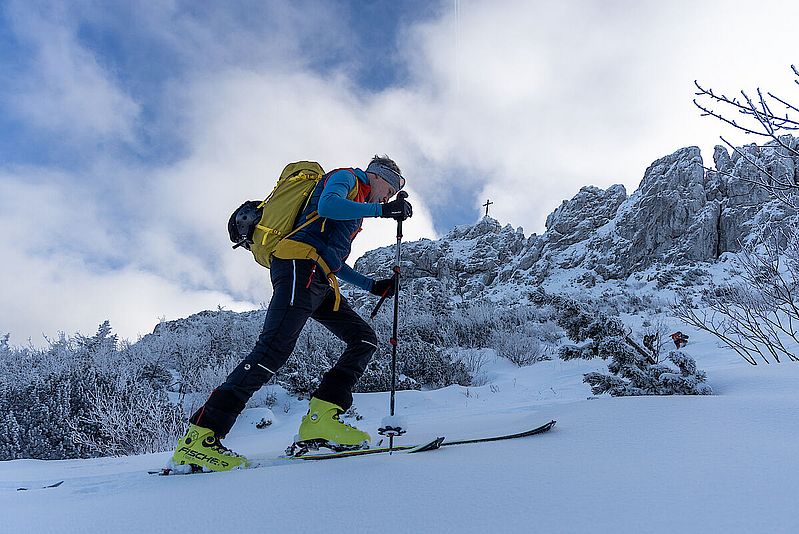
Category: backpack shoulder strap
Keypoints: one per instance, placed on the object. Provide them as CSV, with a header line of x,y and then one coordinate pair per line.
x,y
353,194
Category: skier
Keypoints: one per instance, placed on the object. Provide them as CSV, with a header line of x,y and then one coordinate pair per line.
x,y
303,269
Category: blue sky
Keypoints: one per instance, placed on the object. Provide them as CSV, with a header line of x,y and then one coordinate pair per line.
x,y
140,125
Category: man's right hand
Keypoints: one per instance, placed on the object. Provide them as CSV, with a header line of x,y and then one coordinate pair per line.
x,y
398,208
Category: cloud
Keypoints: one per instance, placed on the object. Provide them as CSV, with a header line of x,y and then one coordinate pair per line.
x,y
65,268
237,153
158,245
531,103
64,90
510,100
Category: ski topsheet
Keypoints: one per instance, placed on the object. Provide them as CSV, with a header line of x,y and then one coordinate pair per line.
x,y
428,446
532,432
435,444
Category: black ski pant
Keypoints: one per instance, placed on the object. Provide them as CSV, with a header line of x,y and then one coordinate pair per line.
x,y
301,291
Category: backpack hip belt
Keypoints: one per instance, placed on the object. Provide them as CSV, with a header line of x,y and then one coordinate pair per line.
x,y
288,249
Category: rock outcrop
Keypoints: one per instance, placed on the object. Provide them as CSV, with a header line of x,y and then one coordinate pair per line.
x,y
681,214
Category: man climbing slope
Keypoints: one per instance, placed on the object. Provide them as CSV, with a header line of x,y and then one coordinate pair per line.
x,y
304,267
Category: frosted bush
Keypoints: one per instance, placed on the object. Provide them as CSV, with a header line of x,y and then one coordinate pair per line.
x,y
474,360
83,396
129,418
632,370
519,346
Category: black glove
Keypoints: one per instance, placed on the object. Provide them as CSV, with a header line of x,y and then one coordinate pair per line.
x,y
381,287
397,209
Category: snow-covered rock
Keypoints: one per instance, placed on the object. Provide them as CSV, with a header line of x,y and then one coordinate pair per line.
x,y
576,219
682,215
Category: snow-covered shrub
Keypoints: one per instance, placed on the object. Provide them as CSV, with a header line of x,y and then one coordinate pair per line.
x,y
377,376
125,418
632,370
302,373
474,360
202,349
431,366
419,364
422,360
756,312
206,341
34,419
82,397
657,379
473,324
197,387
655,337
521,346
82,413
513,333
549,332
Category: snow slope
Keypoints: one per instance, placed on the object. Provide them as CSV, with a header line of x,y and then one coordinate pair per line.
x,y
720,463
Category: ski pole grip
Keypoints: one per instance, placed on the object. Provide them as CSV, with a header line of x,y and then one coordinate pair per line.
x,y
403,195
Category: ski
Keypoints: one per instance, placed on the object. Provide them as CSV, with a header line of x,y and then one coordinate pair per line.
x,y
55,485
256,463
435,444
532,432
192,470
428,446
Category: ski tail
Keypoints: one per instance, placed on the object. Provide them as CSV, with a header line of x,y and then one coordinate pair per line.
x,y
55,485
532,432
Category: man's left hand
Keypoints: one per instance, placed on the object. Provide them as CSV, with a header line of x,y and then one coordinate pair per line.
x,y
383,288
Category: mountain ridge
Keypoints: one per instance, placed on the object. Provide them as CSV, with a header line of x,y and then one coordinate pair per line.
x,y
681,216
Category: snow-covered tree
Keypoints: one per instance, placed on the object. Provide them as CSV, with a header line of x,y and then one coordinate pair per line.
x,y
632,370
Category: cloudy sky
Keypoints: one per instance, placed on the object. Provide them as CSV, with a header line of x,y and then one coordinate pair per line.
x,y
130,130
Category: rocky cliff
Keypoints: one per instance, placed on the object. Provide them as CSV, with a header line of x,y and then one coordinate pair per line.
x,y
682,214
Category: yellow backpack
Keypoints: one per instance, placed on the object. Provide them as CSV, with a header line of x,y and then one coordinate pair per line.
x,y
282,207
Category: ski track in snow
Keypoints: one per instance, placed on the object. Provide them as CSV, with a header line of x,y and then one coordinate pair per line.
x,y
720,463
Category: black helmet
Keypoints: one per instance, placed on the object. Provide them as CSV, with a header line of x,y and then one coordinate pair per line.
x,y
241,224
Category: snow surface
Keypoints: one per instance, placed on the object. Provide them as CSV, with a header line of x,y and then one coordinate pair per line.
x,y
721,463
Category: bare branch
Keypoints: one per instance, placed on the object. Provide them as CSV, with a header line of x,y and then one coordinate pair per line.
x,y
760,111
688,314
758,315
711,113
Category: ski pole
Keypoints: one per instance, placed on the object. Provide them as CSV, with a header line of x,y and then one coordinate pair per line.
x,y
390,430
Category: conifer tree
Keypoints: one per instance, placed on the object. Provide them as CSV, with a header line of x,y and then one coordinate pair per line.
x,y
632,370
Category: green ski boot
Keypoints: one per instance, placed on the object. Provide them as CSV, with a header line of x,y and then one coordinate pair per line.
x,y
321,427
201,450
